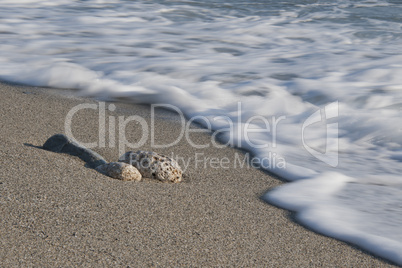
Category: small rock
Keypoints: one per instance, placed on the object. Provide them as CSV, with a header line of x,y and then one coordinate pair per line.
x,y
60,143
153,165
120,171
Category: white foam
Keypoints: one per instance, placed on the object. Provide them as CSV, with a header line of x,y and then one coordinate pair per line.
x,y
318,203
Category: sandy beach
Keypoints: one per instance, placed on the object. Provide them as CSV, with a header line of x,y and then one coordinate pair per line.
x,y
55,212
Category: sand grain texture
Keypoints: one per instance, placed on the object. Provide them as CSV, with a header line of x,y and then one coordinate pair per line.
x,y
57,212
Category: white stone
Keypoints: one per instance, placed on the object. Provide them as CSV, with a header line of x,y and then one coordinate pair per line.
x,y
153,165
120,171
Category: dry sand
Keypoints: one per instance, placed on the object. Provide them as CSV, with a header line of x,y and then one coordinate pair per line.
x,y
55,212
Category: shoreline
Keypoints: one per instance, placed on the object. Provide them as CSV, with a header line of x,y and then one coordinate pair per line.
x,y
58,212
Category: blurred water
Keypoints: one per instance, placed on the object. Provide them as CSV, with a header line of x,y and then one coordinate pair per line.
x,y
278,58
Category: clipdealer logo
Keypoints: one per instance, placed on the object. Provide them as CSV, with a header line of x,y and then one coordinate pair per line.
x,y
330,156
257,132
237,130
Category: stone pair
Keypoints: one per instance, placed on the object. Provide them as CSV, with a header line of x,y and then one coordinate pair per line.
x,y
130,166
